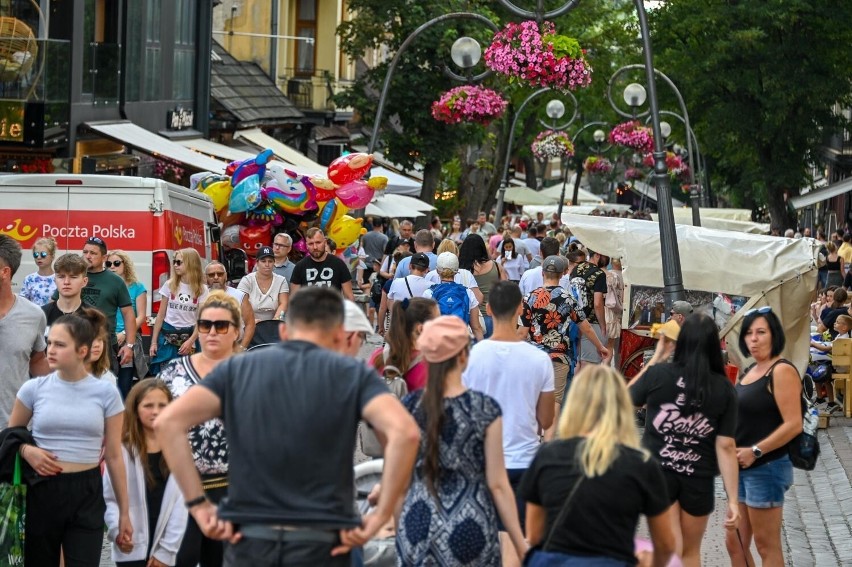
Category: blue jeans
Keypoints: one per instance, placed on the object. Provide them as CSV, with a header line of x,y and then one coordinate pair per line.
x,y
764,486
126,376
489,326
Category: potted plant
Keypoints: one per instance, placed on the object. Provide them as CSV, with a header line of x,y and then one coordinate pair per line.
x,y
597,165
538,56
552,144
678,170
469,103
632,134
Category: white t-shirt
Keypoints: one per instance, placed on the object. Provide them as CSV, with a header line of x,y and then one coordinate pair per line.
x,y
532,279
533,245
239,295
515,374
514,266
264,305
183,307
463,277
470,297
398,290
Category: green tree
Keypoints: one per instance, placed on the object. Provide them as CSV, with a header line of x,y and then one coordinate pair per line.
x,y
760,81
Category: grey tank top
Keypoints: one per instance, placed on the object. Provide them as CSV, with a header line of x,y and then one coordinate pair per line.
x,y
485,282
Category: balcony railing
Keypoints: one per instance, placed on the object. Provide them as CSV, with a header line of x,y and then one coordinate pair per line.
x,y
42,73
310,91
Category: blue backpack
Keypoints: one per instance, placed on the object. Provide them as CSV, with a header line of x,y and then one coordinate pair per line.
x,y
452,299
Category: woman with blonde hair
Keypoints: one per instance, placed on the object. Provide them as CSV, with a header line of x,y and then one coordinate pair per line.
x,y
174,333
119,262
572,517
218,327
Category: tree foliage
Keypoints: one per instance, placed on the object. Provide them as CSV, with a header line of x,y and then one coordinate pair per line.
x,y
760,80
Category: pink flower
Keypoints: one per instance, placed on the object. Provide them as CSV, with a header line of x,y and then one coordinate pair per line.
x,y
633,135
468,103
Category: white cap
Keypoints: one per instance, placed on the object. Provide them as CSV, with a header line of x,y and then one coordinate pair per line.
x,y
354,319
448,261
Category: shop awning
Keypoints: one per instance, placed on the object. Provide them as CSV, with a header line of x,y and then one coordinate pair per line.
x,y
128,133
398,184
216,150
819,195
300,161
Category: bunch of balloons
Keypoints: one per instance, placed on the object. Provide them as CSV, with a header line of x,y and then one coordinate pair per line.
x,y
258,197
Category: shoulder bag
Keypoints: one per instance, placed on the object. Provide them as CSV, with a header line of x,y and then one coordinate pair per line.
x,y
804,447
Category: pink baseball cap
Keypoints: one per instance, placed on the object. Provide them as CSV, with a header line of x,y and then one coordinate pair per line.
x,y
443,338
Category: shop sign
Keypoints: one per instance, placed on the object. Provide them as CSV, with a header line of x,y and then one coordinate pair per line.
x,y
180,118
12,121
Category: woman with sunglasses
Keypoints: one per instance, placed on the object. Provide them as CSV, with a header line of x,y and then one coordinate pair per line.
x,y
769,417
119,262
39,286
218,328
174,333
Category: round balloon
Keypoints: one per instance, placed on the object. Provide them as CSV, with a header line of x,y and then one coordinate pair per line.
x,y
219,192
351,166
231,236
252,166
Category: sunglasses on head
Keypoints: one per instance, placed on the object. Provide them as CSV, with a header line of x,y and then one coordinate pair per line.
x,y
760,310
115,263
177,262
95,240
204,326
39,254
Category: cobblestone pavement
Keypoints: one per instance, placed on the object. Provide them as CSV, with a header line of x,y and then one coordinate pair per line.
x,y
817,527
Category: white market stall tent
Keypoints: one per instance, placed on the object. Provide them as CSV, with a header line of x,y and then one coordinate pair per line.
x,y
763,269
723,219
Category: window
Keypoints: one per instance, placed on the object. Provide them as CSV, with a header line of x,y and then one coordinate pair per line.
x,y
183,74
306,26
153,52
135,44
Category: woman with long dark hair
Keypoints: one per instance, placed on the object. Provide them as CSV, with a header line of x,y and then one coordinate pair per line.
x,y
400,351
769,417
473,256
690,426
460,484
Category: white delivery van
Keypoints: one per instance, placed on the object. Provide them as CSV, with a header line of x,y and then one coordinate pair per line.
x,y
147,218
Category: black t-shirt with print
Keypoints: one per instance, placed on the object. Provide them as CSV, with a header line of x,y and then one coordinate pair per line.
x,y
603,514
681,436
331,272
594,281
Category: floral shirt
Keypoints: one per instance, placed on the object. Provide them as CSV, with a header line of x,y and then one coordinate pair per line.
x,y
208,442
548,313
38,289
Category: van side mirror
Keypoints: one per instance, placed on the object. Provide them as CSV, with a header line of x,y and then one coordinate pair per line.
x,y
236,263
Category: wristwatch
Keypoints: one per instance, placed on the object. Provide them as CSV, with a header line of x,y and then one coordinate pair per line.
x,y
131,345
757,452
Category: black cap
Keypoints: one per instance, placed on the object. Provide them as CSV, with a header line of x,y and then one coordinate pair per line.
x,y
420,260
265,252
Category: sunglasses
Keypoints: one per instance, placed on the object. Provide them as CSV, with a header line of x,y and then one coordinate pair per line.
x,y
204,326
177,262
109,264
39,255
215,274
760,310
95,240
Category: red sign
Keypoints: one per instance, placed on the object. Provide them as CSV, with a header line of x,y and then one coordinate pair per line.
x,y
183,232
119,229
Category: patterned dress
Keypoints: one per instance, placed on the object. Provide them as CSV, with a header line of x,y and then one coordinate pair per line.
x,y
460,527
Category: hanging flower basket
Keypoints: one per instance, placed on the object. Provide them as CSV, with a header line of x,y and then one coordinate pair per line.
x,y
552,144
469,103
678,170
538,56
633,135
633,174
597,165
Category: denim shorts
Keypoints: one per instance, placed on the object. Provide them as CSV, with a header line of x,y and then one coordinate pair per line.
x,y
764,486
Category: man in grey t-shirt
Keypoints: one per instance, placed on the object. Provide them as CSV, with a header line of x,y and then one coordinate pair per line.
x,y
374,242
22,326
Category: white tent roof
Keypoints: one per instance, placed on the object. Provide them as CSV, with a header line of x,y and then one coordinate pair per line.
x,y
683,215
526,196
216,150
585,196
397,183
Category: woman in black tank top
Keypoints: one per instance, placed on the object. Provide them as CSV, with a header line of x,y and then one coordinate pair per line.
x,y
769,417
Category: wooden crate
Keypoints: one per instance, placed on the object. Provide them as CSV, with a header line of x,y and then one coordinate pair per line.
x,y
824,421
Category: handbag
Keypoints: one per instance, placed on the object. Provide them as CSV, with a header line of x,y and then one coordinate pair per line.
x,y
804,448
13,513
140,359
528,558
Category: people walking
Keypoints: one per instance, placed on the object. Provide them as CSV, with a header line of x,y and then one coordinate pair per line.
x,y
460,485
689,428
65,509
473,256
174,331
268,294
454,298
307,515
769,417
156,504
320,268
282,244
119,262
39,286
218,332
586,490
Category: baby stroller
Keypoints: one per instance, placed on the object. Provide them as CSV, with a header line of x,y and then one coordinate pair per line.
x,y
381,550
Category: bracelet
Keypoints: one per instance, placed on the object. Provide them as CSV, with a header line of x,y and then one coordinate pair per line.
x,y
190,504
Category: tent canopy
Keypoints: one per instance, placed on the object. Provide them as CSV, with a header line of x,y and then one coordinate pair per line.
x,y
683,215
585,196
526,196
397,183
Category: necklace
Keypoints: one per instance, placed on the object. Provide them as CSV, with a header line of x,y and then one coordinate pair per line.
x,y
69,312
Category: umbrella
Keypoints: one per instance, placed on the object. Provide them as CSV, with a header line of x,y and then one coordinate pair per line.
x,y
407,201
526,196
384,208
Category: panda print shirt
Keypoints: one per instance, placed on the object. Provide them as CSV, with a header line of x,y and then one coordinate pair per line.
x,y
183,307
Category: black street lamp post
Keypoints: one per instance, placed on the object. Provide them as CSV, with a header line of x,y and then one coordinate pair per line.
x,y
598,136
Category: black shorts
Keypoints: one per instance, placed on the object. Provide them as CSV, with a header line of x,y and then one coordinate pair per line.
x,y
696,495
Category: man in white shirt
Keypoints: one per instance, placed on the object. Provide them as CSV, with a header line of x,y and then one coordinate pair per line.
x,y
520,377
412,285
532,278
216,278
532,243
520,244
